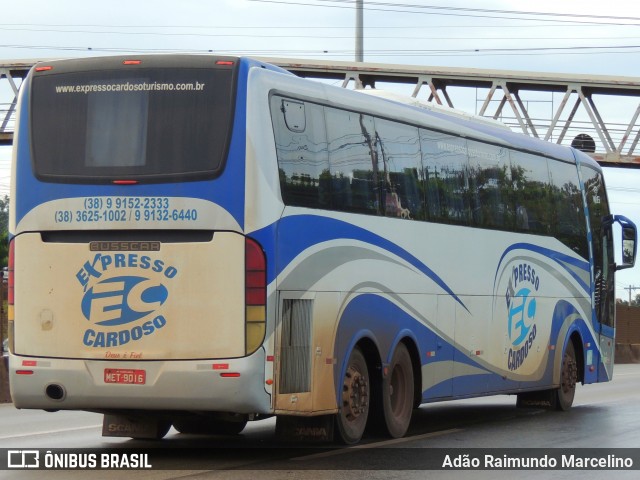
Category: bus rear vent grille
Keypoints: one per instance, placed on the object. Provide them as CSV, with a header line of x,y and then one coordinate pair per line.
x,y
295,365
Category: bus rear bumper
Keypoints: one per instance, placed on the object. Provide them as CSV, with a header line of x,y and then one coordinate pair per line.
x,y
229,385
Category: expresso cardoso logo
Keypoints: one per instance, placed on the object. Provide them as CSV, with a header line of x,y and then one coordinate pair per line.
x,y
521,308
122,296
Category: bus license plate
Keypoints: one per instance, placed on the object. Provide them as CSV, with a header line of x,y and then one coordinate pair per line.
x,y
126,376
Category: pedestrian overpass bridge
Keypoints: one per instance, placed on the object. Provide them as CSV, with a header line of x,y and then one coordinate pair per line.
x,y
598,114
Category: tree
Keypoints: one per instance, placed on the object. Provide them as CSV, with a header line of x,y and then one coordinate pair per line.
x,y
635,302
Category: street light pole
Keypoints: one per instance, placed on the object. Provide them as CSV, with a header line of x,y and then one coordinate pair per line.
x,y
359,34
630,288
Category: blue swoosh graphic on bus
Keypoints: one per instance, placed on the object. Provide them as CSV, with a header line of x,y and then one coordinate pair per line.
x,y
560,258
325,229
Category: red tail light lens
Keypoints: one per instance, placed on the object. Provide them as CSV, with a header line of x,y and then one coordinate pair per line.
x,y
124,182
255,274
255,286
11,280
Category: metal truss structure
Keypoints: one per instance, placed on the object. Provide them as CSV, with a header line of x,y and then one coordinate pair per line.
x,y
11,76
598,114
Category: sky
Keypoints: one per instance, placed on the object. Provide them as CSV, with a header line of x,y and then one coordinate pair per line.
x,y
568,36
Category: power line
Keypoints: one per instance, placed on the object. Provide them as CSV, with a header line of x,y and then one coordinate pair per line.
x,y
289,27
625,189
460,52
472,12
630,288
482,10
340,52
262,36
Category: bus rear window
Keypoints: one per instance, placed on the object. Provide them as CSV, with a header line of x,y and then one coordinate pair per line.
x,y
151,124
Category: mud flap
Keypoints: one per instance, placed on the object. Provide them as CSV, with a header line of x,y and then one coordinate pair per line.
x,y
305,429
546,399
134,426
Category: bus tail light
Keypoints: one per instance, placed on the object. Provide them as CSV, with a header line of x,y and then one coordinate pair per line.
x,y
255,295
10,293
10,280
125,182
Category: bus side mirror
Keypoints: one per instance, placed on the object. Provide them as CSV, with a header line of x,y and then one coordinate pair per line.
x,y
628,247
629,241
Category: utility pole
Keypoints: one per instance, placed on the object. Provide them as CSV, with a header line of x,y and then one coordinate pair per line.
x,y
631,287
359,35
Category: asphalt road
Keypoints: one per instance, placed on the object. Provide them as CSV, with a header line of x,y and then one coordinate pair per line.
x,y
604,416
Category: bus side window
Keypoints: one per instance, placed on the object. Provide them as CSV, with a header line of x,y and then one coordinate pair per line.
x,y
399,152
490,188
445,163
354,167
531,187
303,159
568,208
602,243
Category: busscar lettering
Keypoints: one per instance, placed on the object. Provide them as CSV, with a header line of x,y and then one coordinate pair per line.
x,y
124,246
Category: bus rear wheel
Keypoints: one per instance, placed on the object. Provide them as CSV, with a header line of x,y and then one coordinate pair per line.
x,y
352,418
163,429
568,379
397,393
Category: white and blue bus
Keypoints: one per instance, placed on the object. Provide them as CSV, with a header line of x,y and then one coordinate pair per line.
x,y
201,241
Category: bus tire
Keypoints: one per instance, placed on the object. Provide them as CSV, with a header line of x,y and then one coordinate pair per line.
x,y
397,393
161,430
198,425
568,379
351,420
